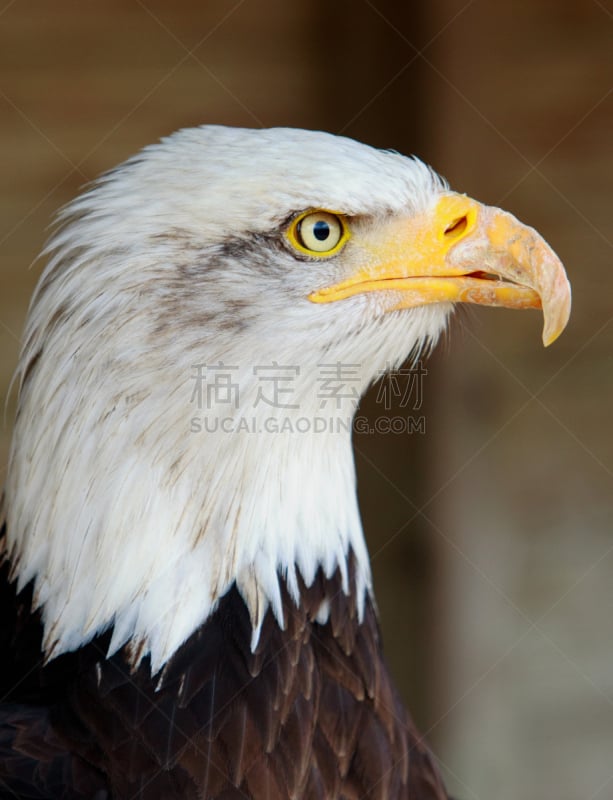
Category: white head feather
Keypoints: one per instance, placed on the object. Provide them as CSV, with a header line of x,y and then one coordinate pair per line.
x,y
120,506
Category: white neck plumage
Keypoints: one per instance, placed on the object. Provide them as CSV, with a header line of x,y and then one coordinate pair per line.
x,y
171,508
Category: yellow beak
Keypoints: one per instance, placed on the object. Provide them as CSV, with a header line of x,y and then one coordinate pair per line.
x,y
461,252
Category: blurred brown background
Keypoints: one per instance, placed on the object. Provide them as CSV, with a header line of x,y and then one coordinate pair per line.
x,y
490,534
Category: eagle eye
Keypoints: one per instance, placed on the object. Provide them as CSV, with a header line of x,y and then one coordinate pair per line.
x,y
318,233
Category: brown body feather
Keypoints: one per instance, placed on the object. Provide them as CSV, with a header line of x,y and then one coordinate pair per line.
x,y
310,714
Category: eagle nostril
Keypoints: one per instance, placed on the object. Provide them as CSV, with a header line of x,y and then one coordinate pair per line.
x,y
457,227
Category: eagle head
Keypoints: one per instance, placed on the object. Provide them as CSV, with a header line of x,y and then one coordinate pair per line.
x,y
195,301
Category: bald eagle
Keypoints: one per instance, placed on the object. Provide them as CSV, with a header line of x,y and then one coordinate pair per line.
x,y
188,608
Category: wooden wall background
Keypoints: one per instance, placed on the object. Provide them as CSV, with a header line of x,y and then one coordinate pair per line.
x,y
490,535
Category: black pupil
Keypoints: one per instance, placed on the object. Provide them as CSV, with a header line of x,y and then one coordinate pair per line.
x,y
321,230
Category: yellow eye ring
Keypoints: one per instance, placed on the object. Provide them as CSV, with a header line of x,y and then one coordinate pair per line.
x,y
318,233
